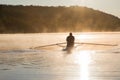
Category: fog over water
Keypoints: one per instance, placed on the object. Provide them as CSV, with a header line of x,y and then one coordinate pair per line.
x,y
20,60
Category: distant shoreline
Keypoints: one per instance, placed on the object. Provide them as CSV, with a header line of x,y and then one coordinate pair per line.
x,y
42,19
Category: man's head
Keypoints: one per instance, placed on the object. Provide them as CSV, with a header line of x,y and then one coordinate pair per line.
x,y
70,34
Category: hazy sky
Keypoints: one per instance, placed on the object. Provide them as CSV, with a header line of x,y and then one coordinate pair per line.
x,y
108,6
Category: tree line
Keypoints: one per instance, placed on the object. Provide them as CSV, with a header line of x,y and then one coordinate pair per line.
x,y
38,19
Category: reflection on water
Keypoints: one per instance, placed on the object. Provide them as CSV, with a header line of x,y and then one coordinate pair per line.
x,y
85,63
83,58
69,67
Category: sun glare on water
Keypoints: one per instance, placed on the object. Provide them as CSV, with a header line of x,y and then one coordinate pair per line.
x,y
85,37
83,58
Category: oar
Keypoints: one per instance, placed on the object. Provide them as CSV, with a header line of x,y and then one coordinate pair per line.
x,y
98,44
49,45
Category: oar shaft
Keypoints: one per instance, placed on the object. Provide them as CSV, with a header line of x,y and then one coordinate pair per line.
x,y
99,44
50,45
75,43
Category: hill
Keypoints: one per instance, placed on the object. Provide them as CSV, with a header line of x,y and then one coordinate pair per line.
x,y
34,19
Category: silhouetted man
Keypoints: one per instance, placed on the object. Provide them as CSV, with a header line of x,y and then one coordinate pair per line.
x,y
70,41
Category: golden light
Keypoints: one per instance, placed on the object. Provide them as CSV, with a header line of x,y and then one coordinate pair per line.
x,y
83,37
83,58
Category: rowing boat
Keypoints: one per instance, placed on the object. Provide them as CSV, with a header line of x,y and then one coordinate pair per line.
x,y
67,49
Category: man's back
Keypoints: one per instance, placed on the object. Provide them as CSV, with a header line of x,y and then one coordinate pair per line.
x,y
70,40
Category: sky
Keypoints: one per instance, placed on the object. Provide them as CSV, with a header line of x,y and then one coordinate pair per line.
x,y
108,6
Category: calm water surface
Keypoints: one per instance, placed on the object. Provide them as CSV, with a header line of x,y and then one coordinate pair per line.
x,y
19,61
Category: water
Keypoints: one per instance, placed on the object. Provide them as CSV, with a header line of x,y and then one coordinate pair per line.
x,y
87,62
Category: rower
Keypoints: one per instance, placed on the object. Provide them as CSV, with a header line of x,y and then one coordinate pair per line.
x,y
70,41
